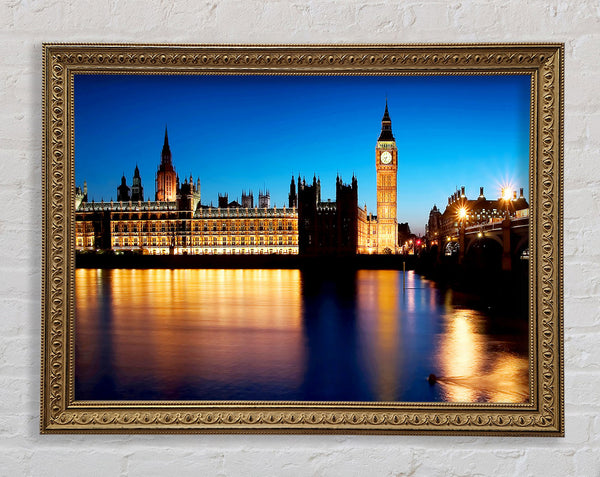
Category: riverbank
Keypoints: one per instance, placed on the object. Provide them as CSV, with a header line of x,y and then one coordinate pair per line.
x,y
324,263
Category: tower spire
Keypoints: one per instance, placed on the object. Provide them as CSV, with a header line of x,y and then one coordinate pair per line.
x,y
166,152
386,125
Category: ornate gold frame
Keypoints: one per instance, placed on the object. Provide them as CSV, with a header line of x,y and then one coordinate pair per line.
x,y
543,416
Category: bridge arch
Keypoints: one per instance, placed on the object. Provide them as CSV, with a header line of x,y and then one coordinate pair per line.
x,y
485,253
474,239
522,244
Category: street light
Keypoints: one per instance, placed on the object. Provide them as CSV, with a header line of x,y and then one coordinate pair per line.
x,y
462,214
507,194
506,257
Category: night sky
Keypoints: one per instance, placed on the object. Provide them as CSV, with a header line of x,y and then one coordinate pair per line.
x,y
254,132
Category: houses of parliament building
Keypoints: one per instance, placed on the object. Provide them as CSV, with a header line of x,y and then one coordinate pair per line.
x,y
177,222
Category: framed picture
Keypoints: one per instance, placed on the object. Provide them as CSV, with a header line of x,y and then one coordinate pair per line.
x,y
297,239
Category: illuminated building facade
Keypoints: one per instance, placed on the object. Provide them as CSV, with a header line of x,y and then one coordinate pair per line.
x,y
160,228
468,212
177,223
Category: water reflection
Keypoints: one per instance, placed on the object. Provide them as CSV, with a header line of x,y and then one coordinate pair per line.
x,y
288,335
380,320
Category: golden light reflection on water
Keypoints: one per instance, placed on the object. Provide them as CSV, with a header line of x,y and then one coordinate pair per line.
x,y
461,355
378,315
177,326
410,333
471,369
183,332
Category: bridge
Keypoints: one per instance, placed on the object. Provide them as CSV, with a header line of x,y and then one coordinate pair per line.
x,y
484,244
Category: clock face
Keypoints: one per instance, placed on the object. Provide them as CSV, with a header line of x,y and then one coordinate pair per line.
x,y
386,157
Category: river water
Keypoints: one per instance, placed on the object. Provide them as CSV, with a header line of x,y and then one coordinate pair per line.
x,y
372,335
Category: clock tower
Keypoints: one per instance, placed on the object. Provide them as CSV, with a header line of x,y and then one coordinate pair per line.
x,y
386,162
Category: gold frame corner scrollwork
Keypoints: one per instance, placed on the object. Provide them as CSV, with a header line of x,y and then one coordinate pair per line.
x,y
542,416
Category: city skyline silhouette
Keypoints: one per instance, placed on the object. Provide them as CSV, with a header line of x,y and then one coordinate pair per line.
x,y
239,133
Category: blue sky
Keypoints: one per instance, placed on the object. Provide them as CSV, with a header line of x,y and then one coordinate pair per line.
x,y
254,132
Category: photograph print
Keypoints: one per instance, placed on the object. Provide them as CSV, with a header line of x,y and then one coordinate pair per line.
x,y
314,238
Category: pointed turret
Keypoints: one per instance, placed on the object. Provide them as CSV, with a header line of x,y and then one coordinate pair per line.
x,y
137,191
292,197
123,190
166,151
386,126
166,184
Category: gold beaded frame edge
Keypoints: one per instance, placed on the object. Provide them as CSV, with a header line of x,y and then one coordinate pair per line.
x,y
542,416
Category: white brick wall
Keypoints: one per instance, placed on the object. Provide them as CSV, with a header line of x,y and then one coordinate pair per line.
x,y
27,23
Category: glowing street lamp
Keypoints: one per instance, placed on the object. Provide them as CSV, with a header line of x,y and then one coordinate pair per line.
x,y
507,194
462,216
